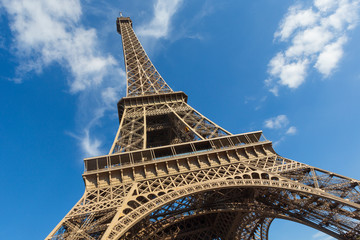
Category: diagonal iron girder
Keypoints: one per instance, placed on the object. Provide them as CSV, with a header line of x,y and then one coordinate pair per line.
x,y
172,173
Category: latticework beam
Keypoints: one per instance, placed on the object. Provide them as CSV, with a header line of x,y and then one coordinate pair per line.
x,y
173,174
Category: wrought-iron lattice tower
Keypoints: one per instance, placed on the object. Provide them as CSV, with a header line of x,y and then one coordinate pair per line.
x,y
172,173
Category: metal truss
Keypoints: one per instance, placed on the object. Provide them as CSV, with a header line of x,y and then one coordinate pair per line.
x,y
142,76
173,174
159,120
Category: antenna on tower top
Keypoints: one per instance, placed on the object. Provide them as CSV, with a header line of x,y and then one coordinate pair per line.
x,y
121,14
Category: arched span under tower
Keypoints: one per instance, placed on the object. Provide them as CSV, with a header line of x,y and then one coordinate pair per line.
x,y
172,173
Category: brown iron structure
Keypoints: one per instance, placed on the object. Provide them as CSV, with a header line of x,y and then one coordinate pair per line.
x,y
172,173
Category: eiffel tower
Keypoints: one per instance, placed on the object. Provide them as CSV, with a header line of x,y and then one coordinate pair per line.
x,y
172,173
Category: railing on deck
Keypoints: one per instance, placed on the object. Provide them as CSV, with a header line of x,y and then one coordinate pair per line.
x,y
170,151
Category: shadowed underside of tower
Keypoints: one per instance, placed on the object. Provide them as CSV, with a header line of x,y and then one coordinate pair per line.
x,y
172,173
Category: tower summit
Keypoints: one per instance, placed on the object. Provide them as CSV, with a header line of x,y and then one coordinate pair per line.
x,y
172,173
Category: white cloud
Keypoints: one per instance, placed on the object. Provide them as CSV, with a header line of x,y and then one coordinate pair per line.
x,y
277,122
277,143
325,5
50,31
110,95
92,106
344,17
291,130
280,123
159,26
90,146
315,36
309,41
295,18
291,74
330,56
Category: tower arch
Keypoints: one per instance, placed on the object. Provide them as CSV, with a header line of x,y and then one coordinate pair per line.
x,y
170,169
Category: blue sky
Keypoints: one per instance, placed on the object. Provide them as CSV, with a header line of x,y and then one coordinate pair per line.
x,y
290,68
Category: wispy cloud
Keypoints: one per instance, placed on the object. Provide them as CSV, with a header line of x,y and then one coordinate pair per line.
x,y
315,36
50,31
92,106
160,25
257,101
322,236
277,122
292,130
90,146
281,124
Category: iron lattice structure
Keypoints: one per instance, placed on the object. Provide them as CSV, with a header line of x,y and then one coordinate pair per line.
x,y
172,173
